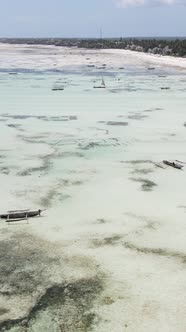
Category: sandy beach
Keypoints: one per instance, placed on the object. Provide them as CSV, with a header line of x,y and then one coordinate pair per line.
x,y
50,57
108,252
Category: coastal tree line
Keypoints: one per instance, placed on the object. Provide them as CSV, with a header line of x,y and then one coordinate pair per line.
x,y
166,46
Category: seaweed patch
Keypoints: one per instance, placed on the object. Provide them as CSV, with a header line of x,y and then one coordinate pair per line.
x,y
137,116
28,275
142,171
44,168
138,161
90,145
5,170
21,251
57,192
47,200
156,251
14,125
70,307
40,117
146,185
3,311
101,221
117,123
107,241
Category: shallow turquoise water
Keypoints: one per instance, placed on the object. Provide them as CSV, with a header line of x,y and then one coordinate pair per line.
x,y
60,151
35,120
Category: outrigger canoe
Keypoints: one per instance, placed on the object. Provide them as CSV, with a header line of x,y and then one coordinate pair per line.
x,y
20,215
173,164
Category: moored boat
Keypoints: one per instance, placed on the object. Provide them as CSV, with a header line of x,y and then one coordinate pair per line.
x,y
173,164
20,214
102,86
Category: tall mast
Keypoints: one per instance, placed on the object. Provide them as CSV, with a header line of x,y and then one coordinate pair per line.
x,y
101,33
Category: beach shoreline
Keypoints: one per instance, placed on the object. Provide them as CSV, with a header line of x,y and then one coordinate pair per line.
x,y
76,57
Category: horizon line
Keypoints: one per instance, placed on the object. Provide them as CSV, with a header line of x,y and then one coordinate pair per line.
x,y
98,38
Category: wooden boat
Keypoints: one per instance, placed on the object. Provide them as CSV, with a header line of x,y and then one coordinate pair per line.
x,y
172,164
102,86
14,211
57,89
20,215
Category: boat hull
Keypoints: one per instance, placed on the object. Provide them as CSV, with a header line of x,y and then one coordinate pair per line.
x,y
20,215
172,164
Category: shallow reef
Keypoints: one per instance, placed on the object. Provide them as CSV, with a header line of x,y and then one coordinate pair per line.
x,y
48,306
